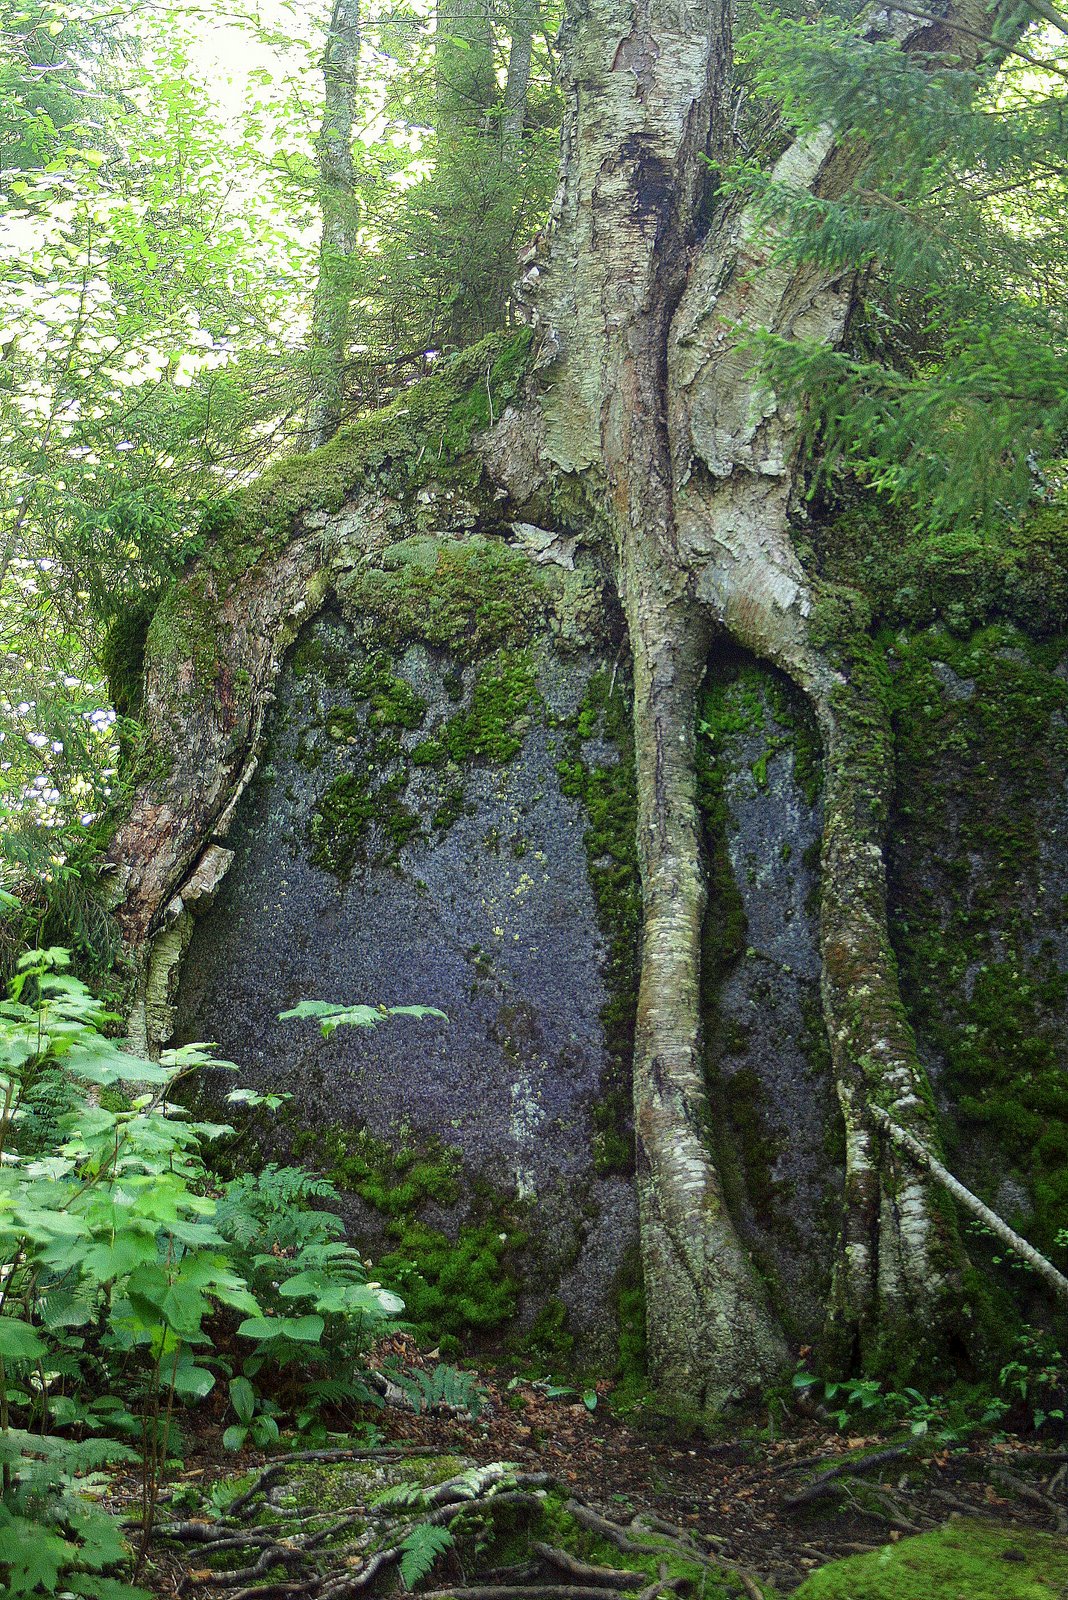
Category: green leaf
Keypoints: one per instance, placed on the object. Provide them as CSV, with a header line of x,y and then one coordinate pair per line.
x,y
334,1016
234,1437
242,1398
421,1549
19,1342
305,1330
193,1383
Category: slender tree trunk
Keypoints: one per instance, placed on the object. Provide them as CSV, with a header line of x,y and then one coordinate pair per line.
x,y
331,330
524,21
712,1337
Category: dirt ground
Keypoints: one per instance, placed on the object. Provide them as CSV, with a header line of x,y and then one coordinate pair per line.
x,y
778,1507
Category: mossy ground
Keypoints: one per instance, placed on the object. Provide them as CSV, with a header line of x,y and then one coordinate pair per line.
x,y
966,1560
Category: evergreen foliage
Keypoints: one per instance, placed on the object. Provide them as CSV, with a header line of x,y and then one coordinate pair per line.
x,y
951,396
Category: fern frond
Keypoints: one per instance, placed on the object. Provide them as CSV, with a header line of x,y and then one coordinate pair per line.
x,y
421,1549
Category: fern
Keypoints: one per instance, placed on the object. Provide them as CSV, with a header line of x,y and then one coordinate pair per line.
x,y
445,1388
401,1494
421,1549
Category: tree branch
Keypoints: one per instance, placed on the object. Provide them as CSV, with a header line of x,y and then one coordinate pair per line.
x,y
1027,1252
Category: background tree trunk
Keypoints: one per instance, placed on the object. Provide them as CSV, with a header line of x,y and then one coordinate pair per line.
x,y
524,20
331,331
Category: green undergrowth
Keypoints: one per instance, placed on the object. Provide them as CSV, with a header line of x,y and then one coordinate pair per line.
x,y
966,1560
455,1286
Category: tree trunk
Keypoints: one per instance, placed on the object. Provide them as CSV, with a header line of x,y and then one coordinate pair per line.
x,y
331,330
900,1256
639,118
524,20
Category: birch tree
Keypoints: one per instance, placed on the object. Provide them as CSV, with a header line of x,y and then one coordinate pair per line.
x,y
647,292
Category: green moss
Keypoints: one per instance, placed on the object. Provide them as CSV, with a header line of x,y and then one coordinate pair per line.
x,y
550,1339
965,1558
358,822
608,793
184,629
334,1486
395,1181
662,1560
631,1376
424,434
470,596
460,1286
493,727
730,705
392,701
1014,572
453,1287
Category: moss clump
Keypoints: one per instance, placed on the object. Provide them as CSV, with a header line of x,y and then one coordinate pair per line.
x,y
965,1558
550,1339
331,1486
460,1286
608,792
470,597
423,435
662,1560
183,629
632,1363
350,813
493,727
392,702
451,1287
393,1181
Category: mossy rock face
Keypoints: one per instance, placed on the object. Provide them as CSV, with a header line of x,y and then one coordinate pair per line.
x,y
979,885
966,1560
774,1111
408,838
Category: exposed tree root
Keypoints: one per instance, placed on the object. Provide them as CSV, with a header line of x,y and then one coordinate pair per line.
x,y
335,1554
828,1482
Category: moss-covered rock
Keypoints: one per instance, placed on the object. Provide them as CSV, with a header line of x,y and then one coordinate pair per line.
x,y
408,836
980,898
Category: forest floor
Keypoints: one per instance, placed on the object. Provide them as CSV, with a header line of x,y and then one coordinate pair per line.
x,y
766,1511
